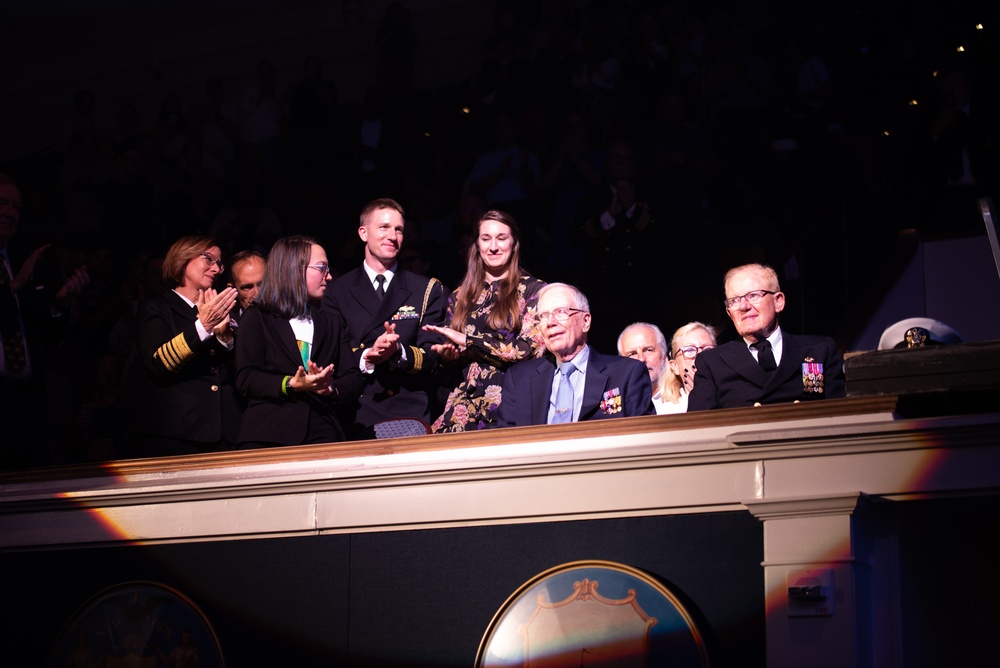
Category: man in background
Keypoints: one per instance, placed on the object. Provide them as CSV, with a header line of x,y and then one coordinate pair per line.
x,y
247,272
29,314
645,342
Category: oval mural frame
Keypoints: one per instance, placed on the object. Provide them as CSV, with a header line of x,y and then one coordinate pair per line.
x,y
137,623
592,612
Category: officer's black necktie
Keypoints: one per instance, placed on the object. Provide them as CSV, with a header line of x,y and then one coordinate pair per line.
x,y
764,355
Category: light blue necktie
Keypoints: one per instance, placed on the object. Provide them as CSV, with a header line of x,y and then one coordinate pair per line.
x,y
564,395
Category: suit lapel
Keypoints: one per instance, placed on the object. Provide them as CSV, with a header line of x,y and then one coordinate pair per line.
x,y
742,362
287,338
791,359
540,392
396,295
595,384
181,308
321,336
362,292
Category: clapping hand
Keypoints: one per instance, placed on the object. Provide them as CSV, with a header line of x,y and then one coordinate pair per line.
x,y
73,286
385,345
446,351
214,308
453,347
28,268
455,337
315,379
623,197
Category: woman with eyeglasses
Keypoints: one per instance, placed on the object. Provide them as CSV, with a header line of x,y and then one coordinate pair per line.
x,y
184,343
493,324
293,361
677,380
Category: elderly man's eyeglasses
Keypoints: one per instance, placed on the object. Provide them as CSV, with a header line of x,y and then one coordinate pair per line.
x,y
321,268
211,260
559,314
690,352
753,298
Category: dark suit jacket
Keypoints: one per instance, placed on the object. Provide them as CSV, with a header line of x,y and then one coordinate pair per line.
x,y
527,390
266,352
44,326
188,392
729,376
395,389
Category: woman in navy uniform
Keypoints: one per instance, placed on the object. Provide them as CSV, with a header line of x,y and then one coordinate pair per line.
x,y
184,342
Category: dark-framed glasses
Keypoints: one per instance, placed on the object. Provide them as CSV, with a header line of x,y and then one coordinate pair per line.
x,y
211,260
322,268
753,298
690,352
559,314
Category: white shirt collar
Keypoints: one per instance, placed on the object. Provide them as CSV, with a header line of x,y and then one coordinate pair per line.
x,y
775,340
388,273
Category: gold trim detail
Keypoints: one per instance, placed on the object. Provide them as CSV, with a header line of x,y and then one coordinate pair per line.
x,y
174,354
427,298
418,359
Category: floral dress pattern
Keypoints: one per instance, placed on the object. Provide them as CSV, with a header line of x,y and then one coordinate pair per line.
x,y
488,354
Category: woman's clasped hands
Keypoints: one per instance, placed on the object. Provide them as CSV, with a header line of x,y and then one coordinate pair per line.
x,y
313,379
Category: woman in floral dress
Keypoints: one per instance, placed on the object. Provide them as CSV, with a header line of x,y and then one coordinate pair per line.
x,y
493,324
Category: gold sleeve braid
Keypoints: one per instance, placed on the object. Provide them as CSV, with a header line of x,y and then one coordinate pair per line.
x,y
418,359
174,354
418,353
645,218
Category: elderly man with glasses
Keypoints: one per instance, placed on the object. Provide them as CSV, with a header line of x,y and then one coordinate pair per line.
x,y
767,365
574,382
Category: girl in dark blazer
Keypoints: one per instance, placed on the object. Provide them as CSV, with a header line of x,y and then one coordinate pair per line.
x,y
293,361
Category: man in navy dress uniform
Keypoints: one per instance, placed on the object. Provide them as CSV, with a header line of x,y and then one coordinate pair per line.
x,y
384,307
767,365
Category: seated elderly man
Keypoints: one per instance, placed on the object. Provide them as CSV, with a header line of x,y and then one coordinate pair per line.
x,y
767,365
645,342
573,382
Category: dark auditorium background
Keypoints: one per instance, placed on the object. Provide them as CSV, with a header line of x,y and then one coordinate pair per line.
x,y
803,134
817,137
